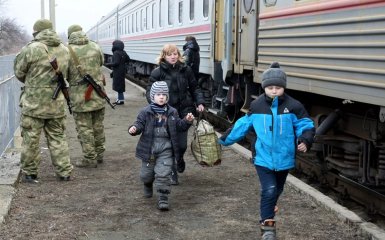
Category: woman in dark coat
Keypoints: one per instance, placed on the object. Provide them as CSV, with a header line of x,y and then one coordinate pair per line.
x,y
119,60
185,96
192,56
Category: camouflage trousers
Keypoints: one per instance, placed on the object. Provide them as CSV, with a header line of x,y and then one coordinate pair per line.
x,y
54,130
90,128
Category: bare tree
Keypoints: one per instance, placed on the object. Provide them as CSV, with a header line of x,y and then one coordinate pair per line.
x,y
12,36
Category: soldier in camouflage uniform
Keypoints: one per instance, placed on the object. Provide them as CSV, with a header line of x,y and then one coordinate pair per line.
x,y
38,110
88,108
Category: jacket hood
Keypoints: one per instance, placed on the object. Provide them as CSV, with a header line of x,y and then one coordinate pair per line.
x,y
48,37
193,45
78,38
117,45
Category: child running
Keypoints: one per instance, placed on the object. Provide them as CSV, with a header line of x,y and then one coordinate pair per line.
x,y
282,126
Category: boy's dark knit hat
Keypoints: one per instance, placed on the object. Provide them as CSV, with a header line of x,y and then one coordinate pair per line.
x,y
42,24
158,87
274,76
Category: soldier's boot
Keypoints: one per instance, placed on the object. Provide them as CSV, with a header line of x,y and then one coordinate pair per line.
x,y
268,231
86,164
147,189
99,158
32,178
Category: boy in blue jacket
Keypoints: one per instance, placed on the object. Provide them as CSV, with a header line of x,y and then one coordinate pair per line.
x,y
282,126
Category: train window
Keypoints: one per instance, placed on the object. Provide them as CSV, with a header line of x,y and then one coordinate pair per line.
x,y
269,3
120,27
137,21
191,10
205,8
247,4
170,12
153,17
128,24
180,15
147,16
160,14
142,20
132,23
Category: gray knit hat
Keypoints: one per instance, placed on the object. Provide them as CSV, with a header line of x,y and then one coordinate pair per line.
x,y
158,87
274,76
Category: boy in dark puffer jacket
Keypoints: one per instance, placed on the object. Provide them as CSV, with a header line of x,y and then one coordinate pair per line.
x,y
158,145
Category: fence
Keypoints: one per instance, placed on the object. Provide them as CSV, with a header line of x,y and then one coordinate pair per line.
x,y
10,89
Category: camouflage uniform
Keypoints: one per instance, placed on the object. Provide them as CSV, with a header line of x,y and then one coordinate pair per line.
x,y
88,114
38,110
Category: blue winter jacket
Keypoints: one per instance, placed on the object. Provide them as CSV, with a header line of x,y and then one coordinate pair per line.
x,y
280,124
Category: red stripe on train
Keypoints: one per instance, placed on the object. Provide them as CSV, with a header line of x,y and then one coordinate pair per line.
x,y
322,7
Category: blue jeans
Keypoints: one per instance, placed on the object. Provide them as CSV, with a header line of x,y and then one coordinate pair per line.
x,y
121,96
272,183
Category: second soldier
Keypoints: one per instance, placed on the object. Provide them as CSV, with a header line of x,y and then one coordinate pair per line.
x,y
88,107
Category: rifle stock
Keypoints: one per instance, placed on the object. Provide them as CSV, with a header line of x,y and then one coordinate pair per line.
x,y
61,85
87,78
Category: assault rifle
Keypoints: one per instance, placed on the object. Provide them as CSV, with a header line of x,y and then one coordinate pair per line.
x,y
61,85
92,85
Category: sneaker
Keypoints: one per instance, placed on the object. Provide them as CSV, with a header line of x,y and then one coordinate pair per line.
x,y
163,203
174,178
30,178
269,235
180,165
147,189
83,164
119,102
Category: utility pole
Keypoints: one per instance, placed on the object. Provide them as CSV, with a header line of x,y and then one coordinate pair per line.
x,y
42,9
52,13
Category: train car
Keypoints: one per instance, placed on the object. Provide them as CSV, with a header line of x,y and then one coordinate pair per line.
x,y
331,50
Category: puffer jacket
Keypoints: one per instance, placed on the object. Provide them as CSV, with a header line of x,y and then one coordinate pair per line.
x,y
280,124
32,67
183,91
192,56
145,124
90,58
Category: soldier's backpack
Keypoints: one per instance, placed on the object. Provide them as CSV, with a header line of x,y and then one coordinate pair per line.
x,y
204,146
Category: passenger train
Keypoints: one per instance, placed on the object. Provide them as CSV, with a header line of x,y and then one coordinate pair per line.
x,y
333,52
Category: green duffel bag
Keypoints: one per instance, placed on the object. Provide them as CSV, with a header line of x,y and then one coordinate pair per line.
x,y
204,146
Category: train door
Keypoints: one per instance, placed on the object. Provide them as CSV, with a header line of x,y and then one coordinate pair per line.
x,y
247,33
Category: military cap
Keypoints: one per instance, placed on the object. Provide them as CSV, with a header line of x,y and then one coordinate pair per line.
x,y
41,25
74,28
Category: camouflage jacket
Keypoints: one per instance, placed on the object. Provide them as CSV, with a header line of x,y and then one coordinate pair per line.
x,y
90,58
32,67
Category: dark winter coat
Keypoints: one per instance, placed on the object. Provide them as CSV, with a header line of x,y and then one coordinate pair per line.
x,y
279,124
192,56
183,90
119,60
145,124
